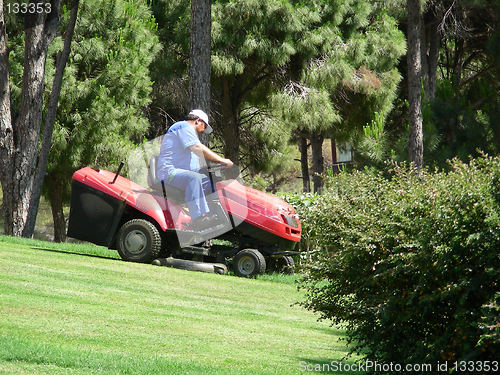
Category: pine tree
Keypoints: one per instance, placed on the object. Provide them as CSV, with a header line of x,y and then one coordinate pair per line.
x,y
105,88
343,89
464,114
342,53
254,42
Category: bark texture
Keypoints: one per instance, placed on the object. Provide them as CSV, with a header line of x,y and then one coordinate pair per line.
x,y
415,143
20,135
304,165
200,65
317,161
62,58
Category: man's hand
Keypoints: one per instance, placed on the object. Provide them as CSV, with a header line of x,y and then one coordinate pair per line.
x,y
228,163
204,152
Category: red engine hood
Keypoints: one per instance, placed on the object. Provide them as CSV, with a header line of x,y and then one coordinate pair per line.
x,y
260,209
256,198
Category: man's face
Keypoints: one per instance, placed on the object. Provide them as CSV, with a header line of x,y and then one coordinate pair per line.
x,y
200,126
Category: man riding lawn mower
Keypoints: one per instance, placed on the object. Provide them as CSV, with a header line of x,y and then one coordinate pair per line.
x,y
179,165
207,217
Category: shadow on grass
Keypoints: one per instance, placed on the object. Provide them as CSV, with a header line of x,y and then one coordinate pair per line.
x,y
76,253
73,248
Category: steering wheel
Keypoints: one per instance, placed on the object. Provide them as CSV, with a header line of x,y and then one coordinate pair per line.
x,y
216,167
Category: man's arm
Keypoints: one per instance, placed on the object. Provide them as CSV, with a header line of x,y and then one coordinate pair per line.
x,y
204,152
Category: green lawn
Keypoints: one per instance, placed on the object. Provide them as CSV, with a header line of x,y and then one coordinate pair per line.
x,y
77,309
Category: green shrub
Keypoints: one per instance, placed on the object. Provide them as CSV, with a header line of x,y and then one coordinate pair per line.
x,y
409,263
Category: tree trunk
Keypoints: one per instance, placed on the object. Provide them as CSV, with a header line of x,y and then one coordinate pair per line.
x,y
459,61
200,66
62,58
230,125
416,145
20,136
317,160
56,204
27,124
19,149
304,165
430,51
6,129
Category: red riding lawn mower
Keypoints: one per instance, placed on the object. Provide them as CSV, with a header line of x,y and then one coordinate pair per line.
x,y
255,232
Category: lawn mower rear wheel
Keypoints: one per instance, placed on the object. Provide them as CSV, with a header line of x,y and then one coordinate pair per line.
x,y
139,241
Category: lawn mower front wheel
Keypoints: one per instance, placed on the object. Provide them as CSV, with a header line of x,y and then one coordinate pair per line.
x,y
285,265
139,241
248,263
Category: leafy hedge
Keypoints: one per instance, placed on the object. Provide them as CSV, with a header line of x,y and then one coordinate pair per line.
x,y
409,262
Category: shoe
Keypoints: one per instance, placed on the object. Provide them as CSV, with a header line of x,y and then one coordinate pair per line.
x,y
204,222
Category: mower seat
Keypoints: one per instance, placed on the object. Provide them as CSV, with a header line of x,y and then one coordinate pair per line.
x,y
171,192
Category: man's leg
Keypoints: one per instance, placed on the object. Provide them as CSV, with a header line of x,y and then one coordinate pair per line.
x,y
195,185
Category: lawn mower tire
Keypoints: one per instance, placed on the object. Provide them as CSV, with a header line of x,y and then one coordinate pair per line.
x,y
248,263
138,240
284,264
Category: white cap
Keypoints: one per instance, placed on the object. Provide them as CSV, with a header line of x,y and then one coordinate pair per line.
x,y
203,116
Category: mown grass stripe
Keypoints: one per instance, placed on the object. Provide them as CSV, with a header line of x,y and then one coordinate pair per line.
x,y
85,313
17,351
